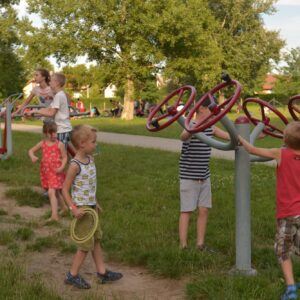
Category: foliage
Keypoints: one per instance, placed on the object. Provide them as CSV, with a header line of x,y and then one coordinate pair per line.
x,y
248,47
12,73
289,80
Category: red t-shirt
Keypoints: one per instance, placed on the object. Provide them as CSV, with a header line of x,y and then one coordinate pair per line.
x,y
288,184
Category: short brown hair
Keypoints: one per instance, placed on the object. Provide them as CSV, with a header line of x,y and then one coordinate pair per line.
x,y
61,78
81,133
49,127
291,135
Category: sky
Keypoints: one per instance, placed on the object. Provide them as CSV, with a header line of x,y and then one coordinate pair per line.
x,y
287,21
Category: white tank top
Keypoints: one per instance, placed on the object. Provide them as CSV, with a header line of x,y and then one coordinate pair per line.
x,y
84,186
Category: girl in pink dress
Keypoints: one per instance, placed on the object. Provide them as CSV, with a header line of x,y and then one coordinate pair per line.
x,y
53,162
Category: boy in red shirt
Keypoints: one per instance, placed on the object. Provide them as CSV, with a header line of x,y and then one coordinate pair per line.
x,y
287,238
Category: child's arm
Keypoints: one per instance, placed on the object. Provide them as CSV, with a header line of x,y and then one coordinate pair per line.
x,y
32,151
185,135
270,153
64,157
220,133
71,174
45,112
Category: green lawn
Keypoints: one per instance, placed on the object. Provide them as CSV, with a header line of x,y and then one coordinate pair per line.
x,y
138,190
137,126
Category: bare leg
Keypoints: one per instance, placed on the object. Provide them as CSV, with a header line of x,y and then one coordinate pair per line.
x,y
61,201
287,269
184,219
98,258
77,262
54,206
201,225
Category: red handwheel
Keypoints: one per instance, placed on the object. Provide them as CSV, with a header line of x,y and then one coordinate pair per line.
x,y
217,112
294,107
158,121
269,129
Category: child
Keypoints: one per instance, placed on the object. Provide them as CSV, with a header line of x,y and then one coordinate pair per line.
x,y
54,159
81,177
58,109
288,201
194,174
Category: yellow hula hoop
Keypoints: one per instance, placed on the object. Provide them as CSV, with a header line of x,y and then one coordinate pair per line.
x,y
74,222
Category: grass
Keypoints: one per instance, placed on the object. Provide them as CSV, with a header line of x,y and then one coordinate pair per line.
x,y
137,126
138,190
16,285
26,196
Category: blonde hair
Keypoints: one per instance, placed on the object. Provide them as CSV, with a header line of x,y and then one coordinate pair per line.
x,y
81,133
291,135
61,78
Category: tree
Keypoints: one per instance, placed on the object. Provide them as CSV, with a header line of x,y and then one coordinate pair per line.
x,y
132,39
288,82
12,73
248,47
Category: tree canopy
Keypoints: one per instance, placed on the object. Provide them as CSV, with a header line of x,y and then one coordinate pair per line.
x,y
188,41
12,72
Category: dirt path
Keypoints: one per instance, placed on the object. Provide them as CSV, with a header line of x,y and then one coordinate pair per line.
x,y
51,266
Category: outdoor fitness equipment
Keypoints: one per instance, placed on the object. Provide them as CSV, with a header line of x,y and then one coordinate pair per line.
x,y
6,137
294,107
242,157
88,224
270,129
173,112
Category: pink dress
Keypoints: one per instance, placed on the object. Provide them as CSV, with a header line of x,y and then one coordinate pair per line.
x,y
51,160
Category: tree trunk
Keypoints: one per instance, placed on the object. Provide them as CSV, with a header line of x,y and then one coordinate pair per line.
x,y
127,113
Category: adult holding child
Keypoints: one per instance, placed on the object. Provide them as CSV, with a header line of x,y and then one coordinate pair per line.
x,y
42,90
58,109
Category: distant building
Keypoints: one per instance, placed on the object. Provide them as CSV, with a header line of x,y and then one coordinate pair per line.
x,y
110,91
268,84
28,88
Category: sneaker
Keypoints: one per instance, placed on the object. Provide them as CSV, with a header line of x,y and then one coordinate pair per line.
x,y
290,293
109,276
204,248
77,281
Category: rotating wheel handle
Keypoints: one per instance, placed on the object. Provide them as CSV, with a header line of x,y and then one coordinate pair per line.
x,y
217,112
269,129
156,121
293,108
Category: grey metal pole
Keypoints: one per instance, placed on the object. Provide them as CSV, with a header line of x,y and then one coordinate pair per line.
x,y
242,199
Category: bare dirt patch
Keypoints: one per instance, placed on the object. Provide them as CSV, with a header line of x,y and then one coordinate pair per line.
x,y
52,266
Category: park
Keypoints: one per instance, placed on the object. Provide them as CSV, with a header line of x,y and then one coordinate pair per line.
x,y
138,147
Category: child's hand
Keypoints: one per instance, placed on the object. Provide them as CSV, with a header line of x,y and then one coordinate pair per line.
x,y
59,170
34,158
78,212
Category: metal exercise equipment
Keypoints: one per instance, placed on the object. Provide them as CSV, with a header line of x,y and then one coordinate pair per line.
x,y
241,126
294,107
6,133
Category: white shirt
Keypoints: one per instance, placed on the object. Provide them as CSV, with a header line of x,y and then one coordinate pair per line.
x,y
45,95
62,117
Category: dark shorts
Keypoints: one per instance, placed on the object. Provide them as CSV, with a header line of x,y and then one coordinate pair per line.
x,y
89,244
287,240
64,137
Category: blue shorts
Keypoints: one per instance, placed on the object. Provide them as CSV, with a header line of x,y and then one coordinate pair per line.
x,y
64,137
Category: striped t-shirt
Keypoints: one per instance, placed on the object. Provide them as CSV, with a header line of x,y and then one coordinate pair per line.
x,y
194,159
